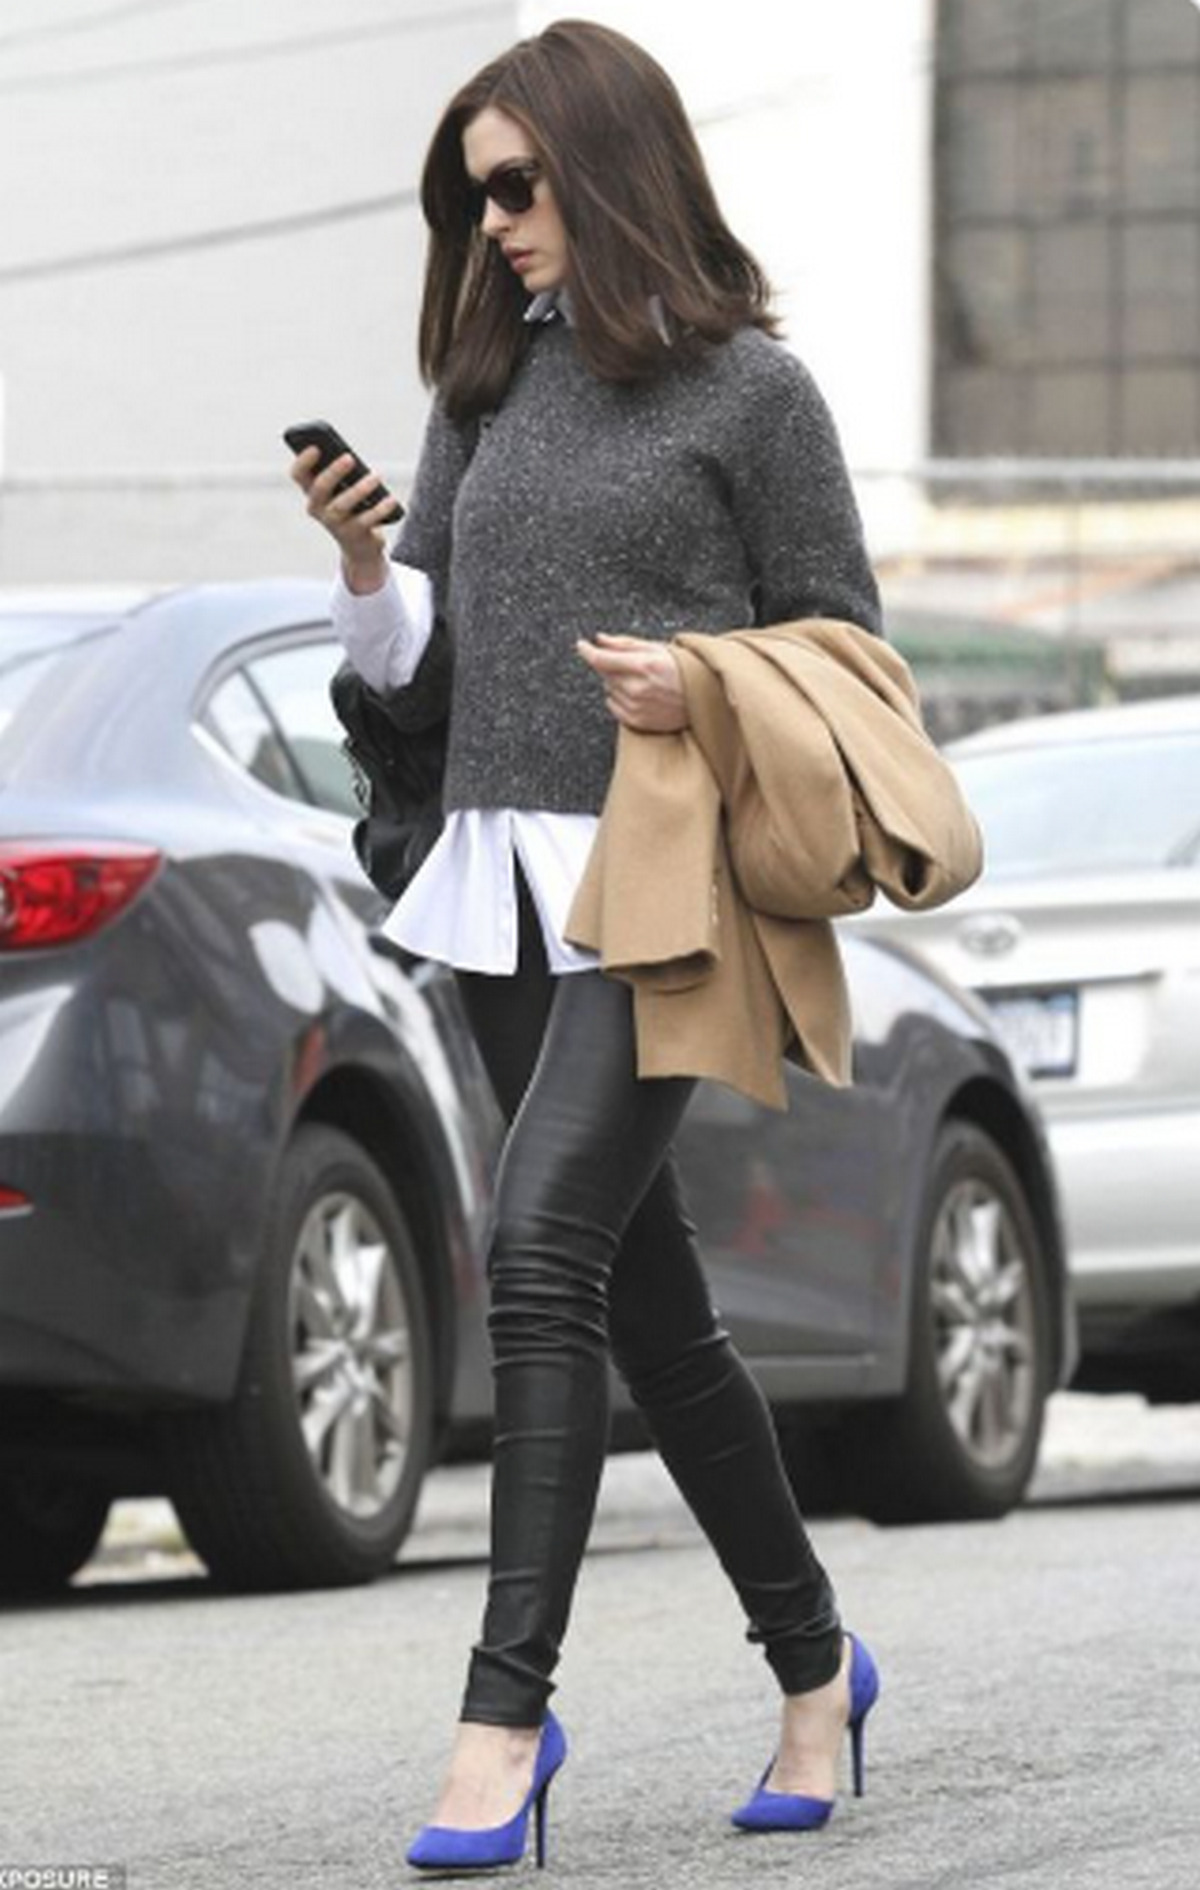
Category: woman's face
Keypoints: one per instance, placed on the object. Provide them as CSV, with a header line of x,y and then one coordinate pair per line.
x,y
534,241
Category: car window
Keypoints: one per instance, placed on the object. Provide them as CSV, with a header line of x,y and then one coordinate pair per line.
x,y
295,686
1083,807
236,716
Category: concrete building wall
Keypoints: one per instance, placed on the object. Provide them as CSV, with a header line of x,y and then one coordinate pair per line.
x,y
180,348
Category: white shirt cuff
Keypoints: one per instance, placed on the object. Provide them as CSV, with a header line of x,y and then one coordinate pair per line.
x,y
384,633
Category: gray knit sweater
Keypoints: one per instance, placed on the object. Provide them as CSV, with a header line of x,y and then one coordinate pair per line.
x,y
713,499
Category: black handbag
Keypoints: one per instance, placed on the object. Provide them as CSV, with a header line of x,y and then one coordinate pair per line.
x,y
397,748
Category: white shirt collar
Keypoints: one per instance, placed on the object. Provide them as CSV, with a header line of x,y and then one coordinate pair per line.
x,y
548,304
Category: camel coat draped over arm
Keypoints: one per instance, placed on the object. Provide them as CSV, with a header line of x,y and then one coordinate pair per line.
x,y
803,782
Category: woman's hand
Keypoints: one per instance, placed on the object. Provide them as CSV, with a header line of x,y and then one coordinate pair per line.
x,y
360,535
642,684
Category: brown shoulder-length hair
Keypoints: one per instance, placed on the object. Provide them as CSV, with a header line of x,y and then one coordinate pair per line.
x,y
641,220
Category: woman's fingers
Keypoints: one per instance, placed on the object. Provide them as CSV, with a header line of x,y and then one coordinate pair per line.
x,y
641,680
323,494
335,509
359,535
320,486
303,467
341,505
630,660
638,662
385,513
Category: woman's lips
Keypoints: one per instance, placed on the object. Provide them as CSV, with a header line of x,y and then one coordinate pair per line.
x,y
519,259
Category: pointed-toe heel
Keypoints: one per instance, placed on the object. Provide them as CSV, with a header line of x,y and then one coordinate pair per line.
x,y
792,1811
443,1847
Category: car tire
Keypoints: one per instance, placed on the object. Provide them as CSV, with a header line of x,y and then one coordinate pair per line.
x,y
962,1441
309,1477
48,1530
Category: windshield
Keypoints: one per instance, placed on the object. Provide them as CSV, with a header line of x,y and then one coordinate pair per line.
x,y
1087,807
30,648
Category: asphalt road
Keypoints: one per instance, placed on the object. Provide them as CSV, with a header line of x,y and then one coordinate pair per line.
x,y
1039,1728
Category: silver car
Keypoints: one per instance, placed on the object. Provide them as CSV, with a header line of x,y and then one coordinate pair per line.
x,y
1083,938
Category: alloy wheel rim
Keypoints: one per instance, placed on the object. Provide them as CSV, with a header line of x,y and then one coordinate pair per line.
x,y
983,1314
351,1355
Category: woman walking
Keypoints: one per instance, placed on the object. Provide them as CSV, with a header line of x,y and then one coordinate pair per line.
x,y
619,449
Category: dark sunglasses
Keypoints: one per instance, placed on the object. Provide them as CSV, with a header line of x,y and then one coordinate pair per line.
x,y
510,187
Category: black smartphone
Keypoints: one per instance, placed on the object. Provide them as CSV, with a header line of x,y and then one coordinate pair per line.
x,y
330,445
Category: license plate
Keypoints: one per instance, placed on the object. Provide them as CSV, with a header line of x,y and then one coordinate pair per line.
x,y
1040,1030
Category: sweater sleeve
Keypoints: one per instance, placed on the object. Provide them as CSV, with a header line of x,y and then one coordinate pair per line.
x,y
793,501
424,537
423,543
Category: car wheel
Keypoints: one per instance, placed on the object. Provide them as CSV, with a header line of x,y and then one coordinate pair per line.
x,y
48,1530
962,1442
310,1476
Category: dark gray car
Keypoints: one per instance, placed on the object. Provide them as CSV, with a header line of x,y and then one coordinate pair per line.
x,y
245,1149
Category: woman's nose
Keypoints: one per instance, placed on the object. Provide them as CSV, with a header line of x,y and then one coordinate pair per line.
x,y
495,220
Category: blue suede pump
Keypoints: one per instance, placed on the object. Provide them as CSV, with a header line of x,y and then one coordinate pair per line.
x,y
792,1811
442,1847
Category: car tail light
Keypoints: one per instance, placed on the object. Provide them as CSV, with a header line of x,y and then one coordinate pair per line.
x,y
12,1201
58,893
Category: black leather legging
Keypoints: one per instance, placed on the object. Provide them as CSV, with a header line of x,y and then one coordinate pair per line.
x,y
592,1249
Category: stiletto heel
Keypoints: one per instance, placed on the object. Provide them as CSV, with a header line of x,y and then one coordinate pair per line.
x,y
540,1826
856,1754
444,1847
792,1811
